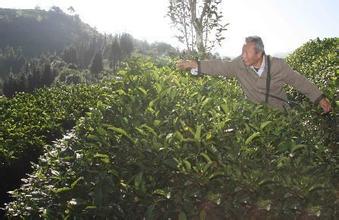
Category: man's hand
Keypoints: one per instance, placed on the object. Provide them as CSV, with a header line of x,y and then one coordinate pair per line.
x,y
325,105
187,64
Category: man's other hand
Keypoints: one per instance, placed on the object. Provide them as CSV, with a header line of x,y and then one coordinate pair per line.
x,y
325,105
187,64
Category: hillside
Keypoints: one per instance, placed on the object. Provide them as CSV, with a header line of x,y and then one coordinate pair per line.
x,y
37,44
37,31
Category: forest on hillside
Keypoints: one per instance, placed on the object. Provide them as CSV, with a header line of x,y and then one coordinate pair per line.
x,y
41,48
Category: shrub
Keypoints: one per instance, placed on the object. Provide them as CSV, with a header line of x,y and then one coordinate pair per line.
x,y
164,144
29,121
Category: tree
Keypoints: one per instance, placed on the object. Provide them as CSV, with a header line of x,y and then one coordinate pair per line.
x,y
126,45
71,10
21,83
161,48
199,23
11,60
70,55
115,54
47,75
97,65
10,85
56,9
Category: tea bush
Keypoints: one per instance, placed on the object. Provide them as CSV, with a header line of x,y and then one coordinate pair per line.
x,y
30,121
318,61
165,144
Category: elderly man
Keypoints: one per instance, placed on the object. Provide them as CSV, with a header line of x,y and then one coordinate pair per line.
x,y
261,77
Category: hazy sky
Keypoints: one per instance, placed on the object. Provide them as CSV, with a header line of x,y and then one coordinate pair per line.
x,y
284,25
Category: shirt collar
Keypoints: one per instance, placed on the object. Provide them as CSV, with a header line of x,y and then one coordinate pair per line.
x,y
262,67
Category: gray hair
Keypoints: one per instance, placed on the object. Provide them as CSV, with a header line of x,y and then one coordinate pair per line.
x,y
259,45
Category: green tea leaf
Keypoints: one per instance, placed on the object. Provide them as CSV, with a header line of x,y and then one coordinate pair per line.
x,y
187,165
225,108
264,124
197,135
103,157
205,101
252,137
62,190
120,131
207,158
297,147
76,182
142,90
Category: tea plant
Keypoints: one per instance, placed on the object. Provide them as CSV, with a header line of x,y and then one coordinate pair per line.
x,y
164,144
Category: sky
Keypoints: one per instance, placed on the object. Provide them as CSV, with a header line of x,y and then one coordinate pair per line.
x,y
284,25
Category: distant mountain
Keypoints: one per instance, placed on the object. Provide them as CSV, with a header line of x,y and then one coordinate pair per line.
x,y
37,31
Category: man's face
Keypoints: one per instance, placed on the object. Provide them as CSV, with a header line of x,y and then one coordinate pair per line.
x,y
249,54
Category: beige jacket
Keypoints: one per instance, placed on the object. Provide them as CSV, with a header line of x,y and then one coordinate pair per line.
x,y
254,85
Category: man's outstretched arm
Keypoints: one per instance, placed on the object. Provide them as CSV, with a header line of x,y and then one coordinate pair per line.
x,y
209,67
302,84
